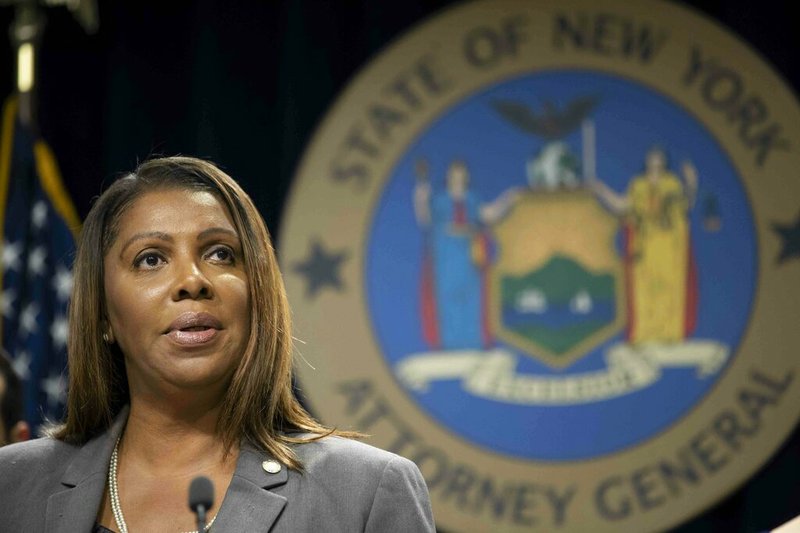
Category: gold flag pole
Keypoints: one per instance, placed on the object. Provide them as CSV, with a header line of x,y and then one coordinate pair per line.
x,y
25,33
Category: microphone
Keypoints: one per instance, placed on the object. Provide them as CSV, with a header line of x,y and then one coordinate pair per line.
x,y
201,499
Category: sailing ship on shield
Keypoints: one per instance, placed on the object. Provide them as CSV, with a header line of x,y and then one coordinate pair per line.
x,y
537,273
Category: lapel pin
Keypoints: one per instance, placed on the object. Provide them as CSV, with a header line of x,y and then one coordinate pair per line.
x,y
271,467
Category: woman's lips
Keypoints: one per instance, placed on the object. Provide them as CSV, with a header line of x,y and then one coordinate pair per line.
x,y
192,336
192,328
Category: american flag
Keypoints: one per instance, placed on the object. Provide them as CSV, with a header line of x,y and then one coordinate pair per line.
x,y
38,223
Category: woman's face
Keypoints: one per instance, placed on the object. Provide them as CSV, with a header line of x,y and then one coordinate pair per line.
x,y
656,162
177,293
457,181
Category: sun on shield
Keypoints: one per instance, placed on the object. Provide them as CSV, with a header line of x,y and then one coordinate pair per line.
x,y
556,285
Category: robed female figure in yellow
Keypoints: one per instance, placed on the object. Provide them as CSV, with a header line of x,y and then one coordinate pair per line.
x,y
660,271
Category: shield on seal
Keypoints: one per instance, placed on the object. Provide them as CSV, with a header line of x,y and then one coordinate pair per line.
x,y
556,286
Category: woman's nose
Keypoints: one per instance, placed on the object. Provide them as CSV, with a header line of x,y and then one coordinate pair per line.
x,y
191,282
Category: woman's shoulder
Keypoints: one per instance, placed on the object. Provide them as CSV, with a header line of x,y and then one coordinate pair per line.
x,y
29,457
34,450
386,492
346,453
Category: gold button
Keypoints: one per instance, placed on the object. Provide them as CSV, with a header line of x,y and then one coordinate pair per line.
x,y
271,467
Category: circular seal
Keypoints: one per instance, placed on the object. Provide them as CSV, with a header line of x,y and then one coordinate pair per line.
x,y
549,251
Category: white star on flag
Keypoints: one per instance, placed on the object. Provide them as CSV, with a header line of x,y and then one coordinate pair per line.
x,y
11,251
55,387
22,365
36,260
7,298
27,319
58,331
39,214
62,283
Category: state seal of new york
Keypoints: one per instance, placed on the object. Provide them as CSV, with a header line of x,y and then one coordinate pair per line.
x,y
545,251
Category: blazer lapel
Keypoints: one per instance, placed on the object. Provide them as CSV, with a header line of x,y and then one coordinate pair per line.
x,y
84,481
249,505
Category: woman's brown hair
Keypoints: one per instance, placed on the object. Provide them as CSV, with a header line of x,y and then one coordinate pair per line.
x,y
259,404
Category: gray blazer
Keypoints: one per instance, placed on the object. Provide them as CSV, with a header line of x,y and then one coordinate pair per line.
x,y
54,487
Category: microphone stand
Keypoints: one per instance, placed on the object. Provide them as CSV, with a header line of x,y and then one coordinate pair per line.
x,y
201,499
201,518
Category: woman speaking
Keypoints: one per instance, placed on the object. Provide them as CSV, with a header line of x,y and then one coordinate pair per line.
x,y
180,365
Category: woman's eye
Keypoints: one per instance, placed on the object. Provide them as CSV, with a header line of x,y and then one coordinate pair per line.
x,y
221,254
149,260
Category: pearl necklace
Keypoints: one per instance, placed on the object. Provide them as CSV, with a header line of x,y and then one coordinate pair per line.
x,y
113,490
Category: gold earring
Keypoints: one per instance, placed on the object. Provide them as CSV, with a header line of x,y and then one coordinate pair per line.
x,y
106,338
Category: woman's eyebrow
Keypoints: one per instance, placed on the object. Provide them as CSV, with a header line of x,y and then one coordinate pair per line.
x,y
147,235
216,230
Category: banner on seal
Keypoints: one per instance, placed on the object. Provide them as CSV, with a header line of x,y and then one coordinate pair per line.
x,y
492,374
